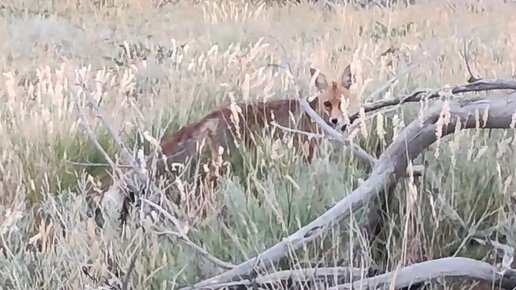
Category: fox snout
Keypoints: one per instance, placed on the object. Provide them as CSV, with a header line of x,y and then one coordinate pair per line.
x,y
334,121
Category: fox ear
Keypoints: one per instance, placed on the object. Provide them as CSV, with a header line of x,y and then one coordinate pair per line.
x,y
346,78
320,81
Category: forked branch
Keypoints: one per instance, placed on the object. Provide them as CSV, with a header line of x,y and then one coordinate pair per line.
x,y
427,94
499,113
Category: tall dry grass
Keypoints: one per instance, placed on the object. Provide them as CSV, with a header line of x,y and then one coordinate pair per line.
x,y
156,69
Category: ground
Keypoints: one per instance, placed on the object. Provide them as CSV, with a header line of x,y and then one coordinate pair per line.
x,y
154,69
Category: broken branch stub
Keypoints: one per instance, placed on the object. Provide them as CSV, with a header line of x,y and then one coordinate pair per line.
x,y
497,111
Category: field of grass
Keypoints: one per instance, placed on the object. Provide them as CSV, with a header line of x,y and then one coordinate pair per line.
x,y
156,69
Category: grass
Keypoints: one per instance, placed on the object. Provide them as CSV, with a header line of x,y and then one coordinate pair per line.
x,y
156,69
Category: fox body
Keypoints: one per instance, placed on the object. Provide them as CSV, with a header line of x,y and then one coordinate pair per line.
x,y
225,126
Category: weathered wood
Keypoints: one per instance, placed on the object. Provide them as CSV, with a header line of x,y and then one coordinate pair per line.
x,y
451,267
500,114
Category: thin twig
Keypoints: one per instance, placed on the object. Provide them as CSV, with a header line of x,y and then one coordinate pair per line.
x,y
100,114
136,167
87,164
182,235
308,134
390,83
127,276
89,131
472,78
482,237
357,150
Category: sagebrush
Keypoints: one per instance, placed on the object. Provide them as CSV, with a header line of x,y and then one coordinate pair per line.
x,y
156,68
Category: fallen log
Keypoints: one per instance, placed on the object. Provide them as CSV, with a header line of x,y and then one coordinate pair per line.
x,y
493,111
450,267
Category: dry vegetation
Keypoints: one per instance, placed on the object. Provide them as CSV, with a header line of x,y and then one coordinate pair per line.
x,y
152,70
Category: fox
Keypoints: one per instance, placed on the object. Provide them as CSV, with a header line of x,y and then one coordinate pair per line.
x,y
222,127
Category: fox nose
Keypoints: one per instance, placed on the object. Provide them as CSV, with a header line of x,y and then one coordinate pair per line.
x,y
334,121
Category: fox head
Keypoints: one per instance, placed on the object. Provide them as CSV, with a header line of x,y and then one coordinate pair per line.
x,y
332,94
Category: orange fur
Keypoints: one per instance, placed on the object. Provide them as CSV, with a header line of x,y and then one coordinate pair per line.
x,y
219,127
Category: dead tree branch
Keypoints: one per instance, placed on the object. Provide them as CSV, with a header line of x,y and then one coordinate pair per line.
x,y
457,267
390,83
357,150
486,85
427,94
126,154
500,113
328,275
471,78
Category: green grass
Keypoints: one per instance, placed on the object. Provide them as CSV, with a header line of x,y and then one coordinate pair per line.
x,y
193,57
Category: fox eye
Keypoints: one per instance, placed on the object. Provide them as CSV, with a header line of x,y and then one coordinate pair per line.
x,y
327,104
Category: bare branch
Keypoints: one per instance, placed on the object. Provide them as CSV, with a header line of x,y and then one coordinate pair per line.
x,y
472,78
334,136
100,114
486,85
357,150
87,164
326,275
93,138
308,134
137,166
390,82
500,113
127,276
456,267
422,94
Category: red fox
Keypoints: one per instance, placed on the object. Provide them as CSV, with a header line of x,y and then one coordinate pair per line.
x,y
224,126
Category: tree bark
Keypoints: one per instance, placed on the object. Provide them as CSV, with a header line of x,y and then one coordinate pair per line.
x,y
494,111
452,267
